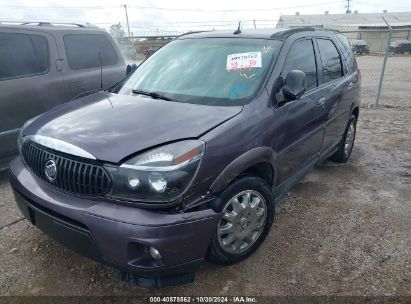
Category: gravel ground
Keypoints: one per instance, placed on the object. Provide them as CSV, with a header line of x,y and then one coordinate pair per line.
x,y
344,230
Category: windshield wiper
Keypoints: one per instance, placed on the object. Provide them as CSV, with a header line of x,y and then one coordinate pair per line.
x,y
153,95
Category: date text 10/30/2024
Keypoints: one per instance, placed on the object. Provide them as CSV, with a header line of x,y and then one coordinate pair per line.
x,y
203,299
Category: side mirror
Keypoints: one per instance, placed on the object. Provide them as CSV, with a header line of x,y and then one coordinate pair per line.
x,y
295,85
131,68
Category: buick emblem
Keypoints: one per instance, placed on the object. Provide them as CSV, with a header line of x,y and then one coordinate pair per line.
x,y
50,170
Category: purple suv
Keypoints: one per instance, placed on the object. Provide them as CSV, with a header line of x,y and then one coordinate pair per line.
x,y
185,159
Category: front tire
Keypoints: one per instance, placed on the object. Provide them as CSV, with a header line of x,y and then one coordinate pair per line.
x,y
248,212
347,143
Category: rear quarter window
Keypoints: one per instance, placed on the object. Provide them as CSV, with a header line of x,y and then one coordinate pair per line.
x,y
84,51
23,55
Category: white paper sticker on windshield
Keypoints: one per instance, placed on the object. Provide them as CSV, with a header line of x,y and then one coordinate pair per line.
x,y
243,61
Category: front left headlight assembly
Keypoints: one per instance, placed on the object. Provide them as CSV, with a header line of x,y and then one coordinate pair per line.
x,y
158,175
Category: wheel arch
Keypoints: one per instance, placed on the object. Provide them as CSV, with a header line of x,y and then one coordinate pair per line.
x,y
260,162
355,111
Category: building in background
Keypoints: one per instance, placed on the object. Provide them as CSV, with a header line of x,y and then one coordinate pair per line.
x,y
369,27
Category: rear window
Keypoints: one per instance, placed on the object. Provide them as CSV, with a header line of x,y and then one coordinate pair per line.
x,y
23,55
84,51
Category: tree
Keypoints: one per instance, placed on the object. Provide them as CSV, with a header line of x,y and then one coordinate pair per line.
x,y
117,31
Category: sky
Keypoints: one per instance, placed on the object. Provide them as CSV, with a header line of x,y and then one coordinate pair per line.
x,y
161,16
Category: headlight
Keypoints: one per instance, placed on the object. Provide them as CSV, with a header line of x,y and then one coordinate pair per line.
x,y
158,175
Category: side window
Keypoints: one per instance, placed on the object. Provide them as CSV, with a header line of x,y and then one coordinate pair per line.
x,y
347,53
331,61
84,51
23,55
301,57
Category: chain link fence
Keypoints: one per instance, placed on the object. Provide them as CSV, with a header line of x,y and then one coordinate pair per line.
x,y
136,50
384,58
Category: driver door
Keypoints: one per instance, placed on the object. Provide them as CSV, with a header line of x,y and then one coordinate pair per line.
x,y
300,123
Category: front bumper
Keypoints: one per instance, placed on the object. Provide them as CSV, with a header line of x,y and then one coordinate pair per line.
x,y
117,235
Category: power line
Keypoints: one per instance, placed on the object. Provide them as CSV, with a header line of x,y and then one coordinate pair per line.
x,y
222,22
233,10
390,6
174,9
205,24
61,7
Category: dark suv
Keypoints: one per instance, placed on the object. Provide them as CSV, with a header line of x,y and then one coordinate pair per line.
x,y
400,47
186,158
360,47
45,64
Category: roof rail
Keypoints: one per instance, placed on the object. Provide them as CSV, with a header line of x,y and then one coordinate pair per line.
x,y
289,32
46,23
192,32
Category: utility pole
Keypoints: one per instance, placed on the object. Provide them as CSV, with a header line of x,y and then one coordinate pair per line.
x,y
255,26
128,26
348,7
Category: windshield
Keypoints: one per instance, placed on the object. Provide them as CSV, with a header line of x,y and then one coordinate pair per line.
x,y
215,71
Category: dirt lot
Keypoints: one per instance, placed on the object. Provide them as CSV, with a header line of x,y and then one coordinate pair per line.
x,y
344,230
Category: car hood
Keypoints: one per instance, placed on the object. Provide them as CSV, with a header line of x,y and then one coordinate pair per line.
x,y
111,127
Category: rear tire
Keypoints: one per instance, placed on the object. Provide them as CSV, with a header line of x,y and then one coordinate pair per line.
x,y
248,213
347,142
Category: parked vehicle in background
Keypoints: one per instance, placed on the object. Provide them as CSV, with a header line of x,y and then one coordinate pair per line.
x,y
43,65
360,47
186,158
151,50
400,47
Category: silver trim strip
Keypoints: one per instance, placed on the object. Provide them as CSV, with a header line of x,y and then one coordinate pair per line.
x,y
58,145
9,132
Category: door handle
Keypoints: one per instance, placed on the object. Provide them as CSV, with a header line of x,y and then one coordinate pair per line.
x,y
59,64
321,102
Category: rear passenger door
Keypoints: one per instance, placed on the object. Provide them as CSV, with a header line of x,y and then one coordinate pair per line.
x,y
29,82
300,122
92,62
336,86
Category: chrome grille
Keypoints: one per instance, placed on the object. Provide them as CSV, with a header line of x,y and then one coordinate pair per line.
x,y
73,175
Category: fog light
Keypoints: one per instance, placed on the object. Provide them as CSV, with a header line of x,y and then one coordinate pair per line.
x,y
133,182
155,254
158,182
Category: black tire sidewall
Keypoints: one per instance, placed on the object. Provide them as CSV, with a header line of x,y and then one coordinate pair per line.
x,y
215,253
353,120
340,156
